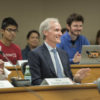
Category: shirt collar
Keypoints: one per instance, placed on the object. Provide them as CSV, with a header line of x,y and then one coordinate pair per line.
x,y
48,46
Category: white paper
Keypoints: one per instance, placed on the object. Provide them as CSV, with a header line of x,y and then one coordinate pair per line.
x,y
8,64
7,72
5,84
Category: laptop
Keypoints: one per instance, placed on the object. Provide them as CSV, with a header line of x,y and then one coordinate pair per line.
x,y
90,54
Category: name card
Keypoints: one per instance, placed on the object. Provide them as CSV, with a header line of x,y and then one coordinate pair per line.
x,y
57,81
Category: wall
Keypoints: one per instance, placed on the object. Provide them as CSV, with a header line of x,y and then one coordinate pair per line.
x,y
29,14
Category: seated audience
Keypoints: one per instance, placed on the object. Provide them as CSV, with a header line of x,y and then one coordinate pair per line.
x,y
33,38
48,61
98,38
72,40
9,28
3,71
63,30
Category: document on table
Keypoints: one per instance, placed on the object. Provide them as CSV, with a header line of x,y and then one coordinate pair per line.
x,y
5,84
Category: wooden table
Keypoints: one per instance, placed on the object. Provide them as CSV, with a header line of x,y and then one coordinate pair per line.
x,y
94,73
14,73
64,92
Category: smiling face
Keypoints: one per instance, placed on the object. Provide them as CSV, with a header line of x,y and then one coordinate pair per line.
x,y
33,40
9,33
53,34
76,28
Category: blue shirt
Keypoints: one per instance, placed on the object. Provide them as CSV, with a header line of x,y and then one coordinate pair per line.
x,y
71,48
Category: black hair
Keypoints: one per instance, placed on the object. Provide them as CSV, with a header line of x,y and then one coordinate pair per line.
x,y
97,36
63,30
74,17
8,21
32,31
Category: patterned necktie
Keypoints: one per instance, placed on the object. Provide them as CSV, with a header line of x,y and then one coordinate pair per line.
x,y
59,72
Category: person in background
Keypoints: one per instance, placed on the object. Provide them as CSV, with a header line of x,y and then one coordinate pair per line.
x,y
48,61
3,71
72,40
9,29
63,30
33,38
98,38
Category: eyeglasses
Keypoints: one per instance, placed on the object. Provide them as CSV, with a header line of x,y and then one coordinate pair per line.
x,y
12,30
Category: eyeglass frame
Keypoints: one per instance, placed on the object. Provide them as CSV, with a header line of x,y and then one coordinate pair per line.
x,y
11,30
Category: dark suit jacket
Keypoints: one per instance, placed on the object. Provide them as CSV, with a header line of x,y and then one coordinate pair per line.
x,y
41,65
25,52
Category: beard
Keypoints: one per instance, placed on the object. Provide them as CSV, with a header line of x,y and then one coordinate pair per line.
x,y
75,33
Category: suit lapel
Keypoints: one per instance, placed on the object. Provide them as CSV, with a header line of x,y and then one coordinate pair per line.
x,y
48,59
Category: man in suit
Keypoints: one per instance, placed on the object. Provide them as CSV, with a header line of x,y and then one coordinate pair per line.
x,y
41,60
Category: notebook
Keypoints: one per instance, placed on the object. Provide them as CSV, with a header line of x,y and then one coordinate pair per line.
x,y
90,54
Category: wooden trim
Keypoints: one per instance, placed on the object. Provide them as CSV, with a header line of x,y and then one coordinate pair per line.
x,y
85,66
47,88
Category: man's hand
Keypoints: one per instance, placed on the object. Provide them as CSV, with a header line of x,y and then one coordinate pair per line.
x,y
81,74
77,57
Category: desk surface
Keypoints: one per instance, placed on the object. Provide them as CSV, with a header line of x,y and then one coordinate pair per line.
x,y
13,68
14,73
64,92
94,73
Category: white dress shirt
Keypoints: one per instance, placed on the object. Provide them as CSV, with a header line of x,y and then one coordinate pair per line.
x,y
53,59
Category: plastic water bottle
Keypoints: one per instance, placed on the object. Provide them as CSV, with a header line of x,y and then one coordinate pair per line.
x,y
27,74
